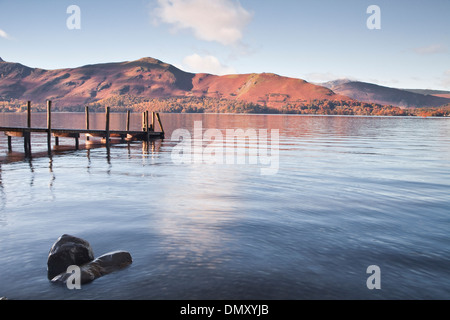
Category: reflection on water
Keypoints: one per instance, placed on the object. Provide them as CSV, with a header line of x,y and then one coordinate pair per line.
x,y
350,192
2,198
192,230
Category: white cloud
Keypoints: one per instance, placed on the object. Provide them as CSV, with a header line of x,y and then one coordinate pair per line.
x,y
222,21
431,49
3,34
207,64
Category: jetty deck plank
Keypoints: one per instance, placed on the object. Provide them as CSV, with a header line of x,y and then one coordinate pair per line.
x,y
92,132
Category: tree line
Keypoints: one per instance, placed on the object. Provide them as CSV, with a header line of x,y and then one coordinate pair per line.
x,y
121,103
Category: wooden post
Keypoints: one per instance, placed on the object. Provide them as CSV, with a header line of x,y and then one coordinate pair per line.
x,y
77,143
153,122
49,126
127,127
9,144
29,114
57,141
128,120
27,137
25,143
160,123
107,126
87,121
143,121
147,128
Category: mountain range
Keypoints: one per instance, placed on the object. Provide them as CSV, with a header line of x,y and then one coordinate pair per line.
x,y
152,78
372,93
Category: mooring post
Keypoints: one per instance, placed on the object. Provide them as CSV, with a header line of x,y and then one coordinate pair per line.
x,y
152,128
87,121
49,126
27,137
25,143
147,128
29,114
128,120
107,126
160,123
143,121
127,126
9,144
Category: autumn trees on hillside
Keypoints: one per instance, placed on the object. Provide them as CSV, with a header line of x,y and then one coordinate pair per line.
x,y
191,104
212,105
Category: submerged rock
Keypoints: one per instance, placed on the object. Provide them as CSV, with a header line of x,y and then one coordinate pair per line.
x,y
69,251
66,251
101,266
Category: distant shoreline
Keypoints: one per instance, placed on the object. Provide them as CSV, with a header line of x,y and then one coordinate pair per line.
x,y
215,106
256,114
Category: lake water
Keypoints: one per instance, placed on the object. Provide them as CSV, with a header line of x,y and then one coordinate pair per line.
x,y
346,193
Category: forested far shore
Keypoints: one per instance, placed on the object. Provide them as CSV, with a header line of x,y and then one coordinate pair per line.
x,y
123,103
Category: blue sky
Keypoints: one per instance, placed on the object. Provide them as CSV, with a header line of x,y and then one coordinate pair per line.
x,y
317,40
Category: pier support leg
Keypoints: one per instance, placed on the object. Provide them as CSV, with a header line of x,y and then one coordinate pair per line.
x,y
27,137
147,128
77,143
57,141
107,127
49,127
29,143
128,120
87,121
26,143
152,128
9,144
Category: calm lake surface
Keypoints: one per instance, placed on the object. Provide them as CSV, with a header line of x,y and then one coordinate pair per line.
x,y
348,193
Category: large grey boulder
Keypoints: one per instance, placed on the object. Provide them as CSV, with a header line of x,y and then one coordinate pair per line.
x,y
66,251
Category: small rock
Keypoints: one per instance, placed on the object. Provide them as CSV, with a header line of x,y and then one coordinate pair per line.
x,y
101,266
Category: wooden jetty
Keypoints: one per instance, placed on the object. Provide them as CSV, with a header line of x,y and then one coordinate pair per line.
x,y
148,130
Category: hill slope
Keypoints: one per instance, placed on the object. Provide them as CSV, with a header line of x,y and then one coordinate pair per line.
x,y
150,78
373,93
78,86
266,89
437,93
